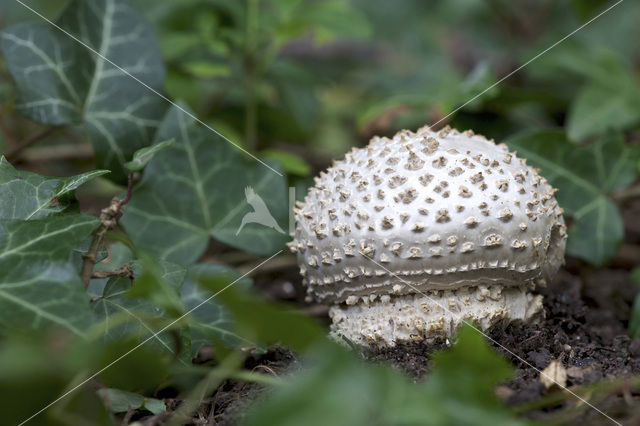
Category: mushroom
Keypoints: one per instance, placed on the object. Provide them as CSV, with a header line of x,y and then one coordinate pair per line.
x,y
411,236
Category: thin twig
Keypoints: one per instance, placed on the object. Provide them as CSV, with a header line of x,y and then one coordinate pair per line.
x,y
109,217
124,271
14,152
127,198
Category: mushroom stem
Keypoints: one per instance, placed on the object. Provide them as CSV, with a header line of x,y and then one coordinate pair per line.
x,y
436,314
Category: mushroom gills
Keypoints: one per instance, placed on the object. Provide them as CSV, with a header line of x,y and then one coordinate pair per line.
x,y
432,315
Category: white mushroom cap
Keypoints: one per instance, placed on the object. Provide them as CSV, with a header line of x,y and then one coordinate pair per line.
x,y
427,211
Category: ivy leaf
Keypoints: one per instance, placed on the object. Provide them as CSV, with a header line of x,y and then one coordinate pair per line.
x,y
211,322
197,189
126,310
585,178
597,232
119,254
119,401
27,195
159,282
39,284
609,100
142,156
598,109
278,322
60,81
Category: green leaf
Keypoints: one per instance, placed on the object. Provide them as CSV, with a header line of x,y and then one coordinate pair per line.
x,y
27,195
119,401
119,254
347,391
585,178
39,283
135,310
201,69
597,232
159,283
210,321
470,370
598,65
142,156
176,44
278,323
61,81
197,189
598,109
291,163
36,368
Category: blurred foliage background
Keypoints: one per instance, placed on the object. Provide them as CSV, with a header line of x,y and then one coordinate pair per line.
x,y
301,82
298,83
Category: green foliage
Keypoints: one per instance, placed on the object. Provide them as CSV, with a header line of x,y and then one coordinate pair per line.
x,y
61,81
29,196
340,389
37,268
39,233
278,323
210,321
205,179
291,163
610,99
586,177
119,401
142,156
35,369
231,52
139,308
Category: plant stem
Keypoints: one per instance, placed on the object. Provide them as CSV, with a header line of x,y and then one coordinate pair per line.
x,y
14,152
127,197
109,217
124,271
251,107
